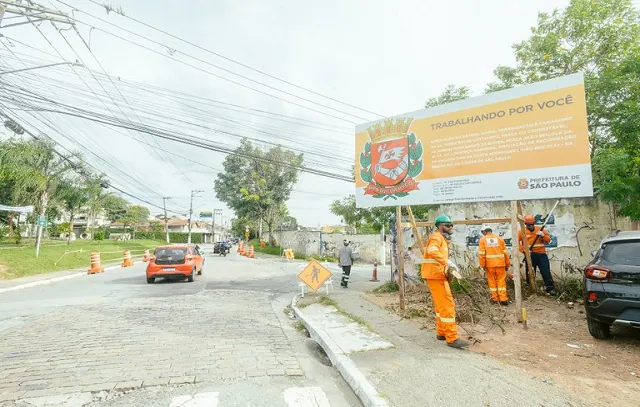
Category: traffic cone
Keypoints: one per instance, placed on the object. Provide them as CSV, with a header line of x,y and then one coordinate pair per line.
x,y
147,256
251,253
95,264
374,277
240,242
128,261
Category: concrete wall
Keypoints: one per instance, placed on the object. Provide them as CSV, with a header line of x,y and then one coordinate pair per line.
x,y
578,227
366,247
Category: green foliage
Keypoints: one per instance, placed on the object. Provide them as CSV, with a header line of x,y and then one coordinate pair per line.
x,y
174,237
256,184
451,93
389,286
617,178
99,234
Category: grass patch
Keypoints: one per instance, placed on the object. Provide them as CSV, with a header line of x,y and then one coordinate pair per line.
x,y
330,302
389,286
287,310
299,326
272,250
20,260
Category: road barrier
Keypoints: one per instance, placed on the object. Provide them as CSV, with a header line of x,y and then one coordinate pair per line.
x,y
147,256
95,264
251,253
128,261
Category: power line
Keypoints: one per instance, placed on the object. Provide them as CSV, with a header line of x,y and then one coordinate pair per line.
x,y
238,63
219,67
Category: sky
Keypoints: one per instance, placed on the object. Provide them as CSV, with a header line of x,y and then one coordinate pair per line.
x,y
384,57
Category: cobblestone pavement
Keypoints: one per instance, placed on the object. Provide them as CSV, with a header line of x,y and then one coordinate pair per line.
x,y
116,336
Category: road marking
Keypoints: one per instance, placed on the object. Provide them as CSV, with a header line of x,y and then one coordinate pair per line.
x,y
305,397
41,282
199,400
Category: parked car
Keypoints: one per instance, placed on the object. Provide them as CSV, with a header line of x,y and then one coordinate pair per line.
x,y
612,284
177,261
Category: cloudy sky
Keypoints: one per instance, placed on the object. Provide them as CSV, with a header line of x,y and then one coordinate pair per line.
x,y
381,56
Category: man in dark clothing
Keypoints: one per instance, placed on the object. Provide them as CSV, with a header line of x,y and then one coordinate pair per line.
x,y
346,261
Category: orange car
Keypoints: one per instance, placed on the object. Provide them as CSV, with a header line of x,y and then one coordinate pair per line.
x,y
178,261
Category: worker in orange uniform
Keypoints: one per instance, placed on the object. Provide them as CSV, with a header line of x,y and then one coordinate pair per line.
x,y
494,260
435,270
539,258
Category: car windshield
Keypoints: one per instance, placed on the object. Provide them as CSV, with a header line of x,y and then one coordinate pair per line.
x,y
624,253
170,253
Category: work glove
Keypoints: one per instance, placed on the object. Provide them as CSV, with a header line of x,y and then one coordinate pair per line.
x,y
451,264
540,233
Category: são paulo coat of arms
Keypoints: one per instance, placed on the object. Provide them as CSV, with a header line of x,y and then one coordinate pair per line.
x,y
392,160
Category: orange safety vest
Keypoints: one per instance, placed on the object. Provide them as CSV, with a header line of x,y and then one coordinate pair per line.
x,y
492,251
539,246
436,255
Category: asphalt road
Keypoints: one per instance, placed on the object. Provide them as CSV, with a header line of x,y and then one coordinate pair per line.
x,y
111,339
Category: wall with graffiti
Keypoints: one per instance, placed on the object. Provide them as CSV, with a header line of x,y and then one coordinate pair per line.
x,y
577,227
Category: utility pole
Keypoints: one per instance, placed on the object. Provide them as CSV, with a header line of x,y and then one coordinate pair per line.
x,y
28,13
213,224
193,194
166,221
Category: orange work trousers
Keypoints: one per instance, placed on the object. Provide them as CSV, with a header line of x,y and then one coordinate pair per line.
x,y
496,277
445,309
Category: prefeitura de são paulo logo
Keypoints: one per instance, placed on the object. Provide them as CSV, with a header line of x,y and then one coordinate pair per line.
x,y
391,160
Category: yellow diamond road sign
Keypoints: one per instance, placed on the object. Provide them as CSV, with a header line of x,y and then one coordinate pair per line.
x,y
314,275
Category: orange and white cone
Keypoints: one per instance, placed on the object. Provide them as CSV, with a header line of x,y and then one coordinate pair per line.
x,y
251,253
128,261
95,264
147,256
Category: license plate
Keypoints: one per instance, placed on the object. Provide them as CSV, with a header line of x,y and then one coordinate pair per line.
x,y
169,269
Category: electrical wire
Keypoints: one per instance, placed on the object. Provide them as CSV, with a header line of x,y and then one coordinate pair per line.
x,y
236,62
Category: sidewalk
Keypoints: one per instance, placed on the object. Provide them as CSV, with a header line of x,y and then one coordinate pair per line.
x,y
419,370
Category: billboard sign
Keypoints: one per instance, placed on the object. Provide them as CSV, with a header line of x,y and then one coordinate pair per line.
x,y
529,142
206,215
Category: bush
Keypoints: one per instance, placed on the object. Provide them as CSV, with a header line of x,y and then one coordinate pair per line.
x,y
99,234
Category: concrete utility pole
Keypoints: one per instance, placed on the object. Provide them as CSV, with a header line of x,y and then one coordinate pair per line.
x,y
213,224
166,221
193,194
31,12
42,66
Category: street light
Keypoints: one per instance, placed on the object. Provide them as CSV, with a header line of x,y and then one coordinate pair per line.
x,y
43,66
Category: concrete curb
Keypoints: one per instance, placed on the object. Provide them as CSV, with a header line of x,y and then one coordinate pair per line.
x,y
50,280
347,368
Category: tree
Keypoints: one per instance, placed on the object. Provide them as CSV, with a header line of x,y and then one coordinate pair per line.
x,y
37,169
346,209
156,226
97,198
73,197
594,37
601,39
114,206
135,214
289,223
256,183
451,93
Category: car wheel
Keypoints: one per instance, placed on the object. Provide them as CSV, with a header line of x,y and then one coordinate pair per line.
x,y
193,273
151,280
599,330
200,271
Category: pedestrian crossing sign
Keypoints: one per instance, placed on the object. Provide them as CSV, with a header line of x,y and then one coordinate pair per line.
x,y
314,275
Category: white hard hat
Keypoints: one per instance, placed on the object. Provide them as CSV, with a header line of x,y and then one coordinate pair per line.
x,y
485,227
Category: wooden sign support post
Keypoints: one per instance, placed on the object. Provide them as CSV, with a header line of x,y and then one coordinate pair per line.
x,y
515,260
527,255
400,243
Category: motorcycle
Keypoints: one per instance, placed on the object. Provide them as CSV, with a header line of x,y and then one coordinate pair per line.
x,y
221,248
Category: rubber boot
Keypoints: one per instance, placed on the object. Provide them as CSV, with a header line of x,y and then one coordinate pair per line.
x,y
440,338
459,344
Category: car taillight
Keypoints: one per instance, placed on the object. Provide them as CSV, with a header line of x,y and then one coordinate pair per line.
x,y
597,273
592,297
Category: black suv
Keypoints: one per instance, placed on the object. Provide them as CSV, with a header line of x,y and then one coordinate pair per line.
x,y
612,284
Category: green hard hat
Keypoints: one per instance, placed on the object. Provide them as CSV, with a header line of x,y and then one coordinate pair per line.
x,y
442,219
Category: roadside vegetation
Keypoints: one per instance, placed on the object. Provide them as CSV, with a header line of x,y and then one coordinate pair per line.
x,y
20,260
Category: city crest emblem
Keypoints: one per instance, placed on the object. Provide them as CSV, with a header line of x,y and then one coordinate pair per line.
x,y
391,161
